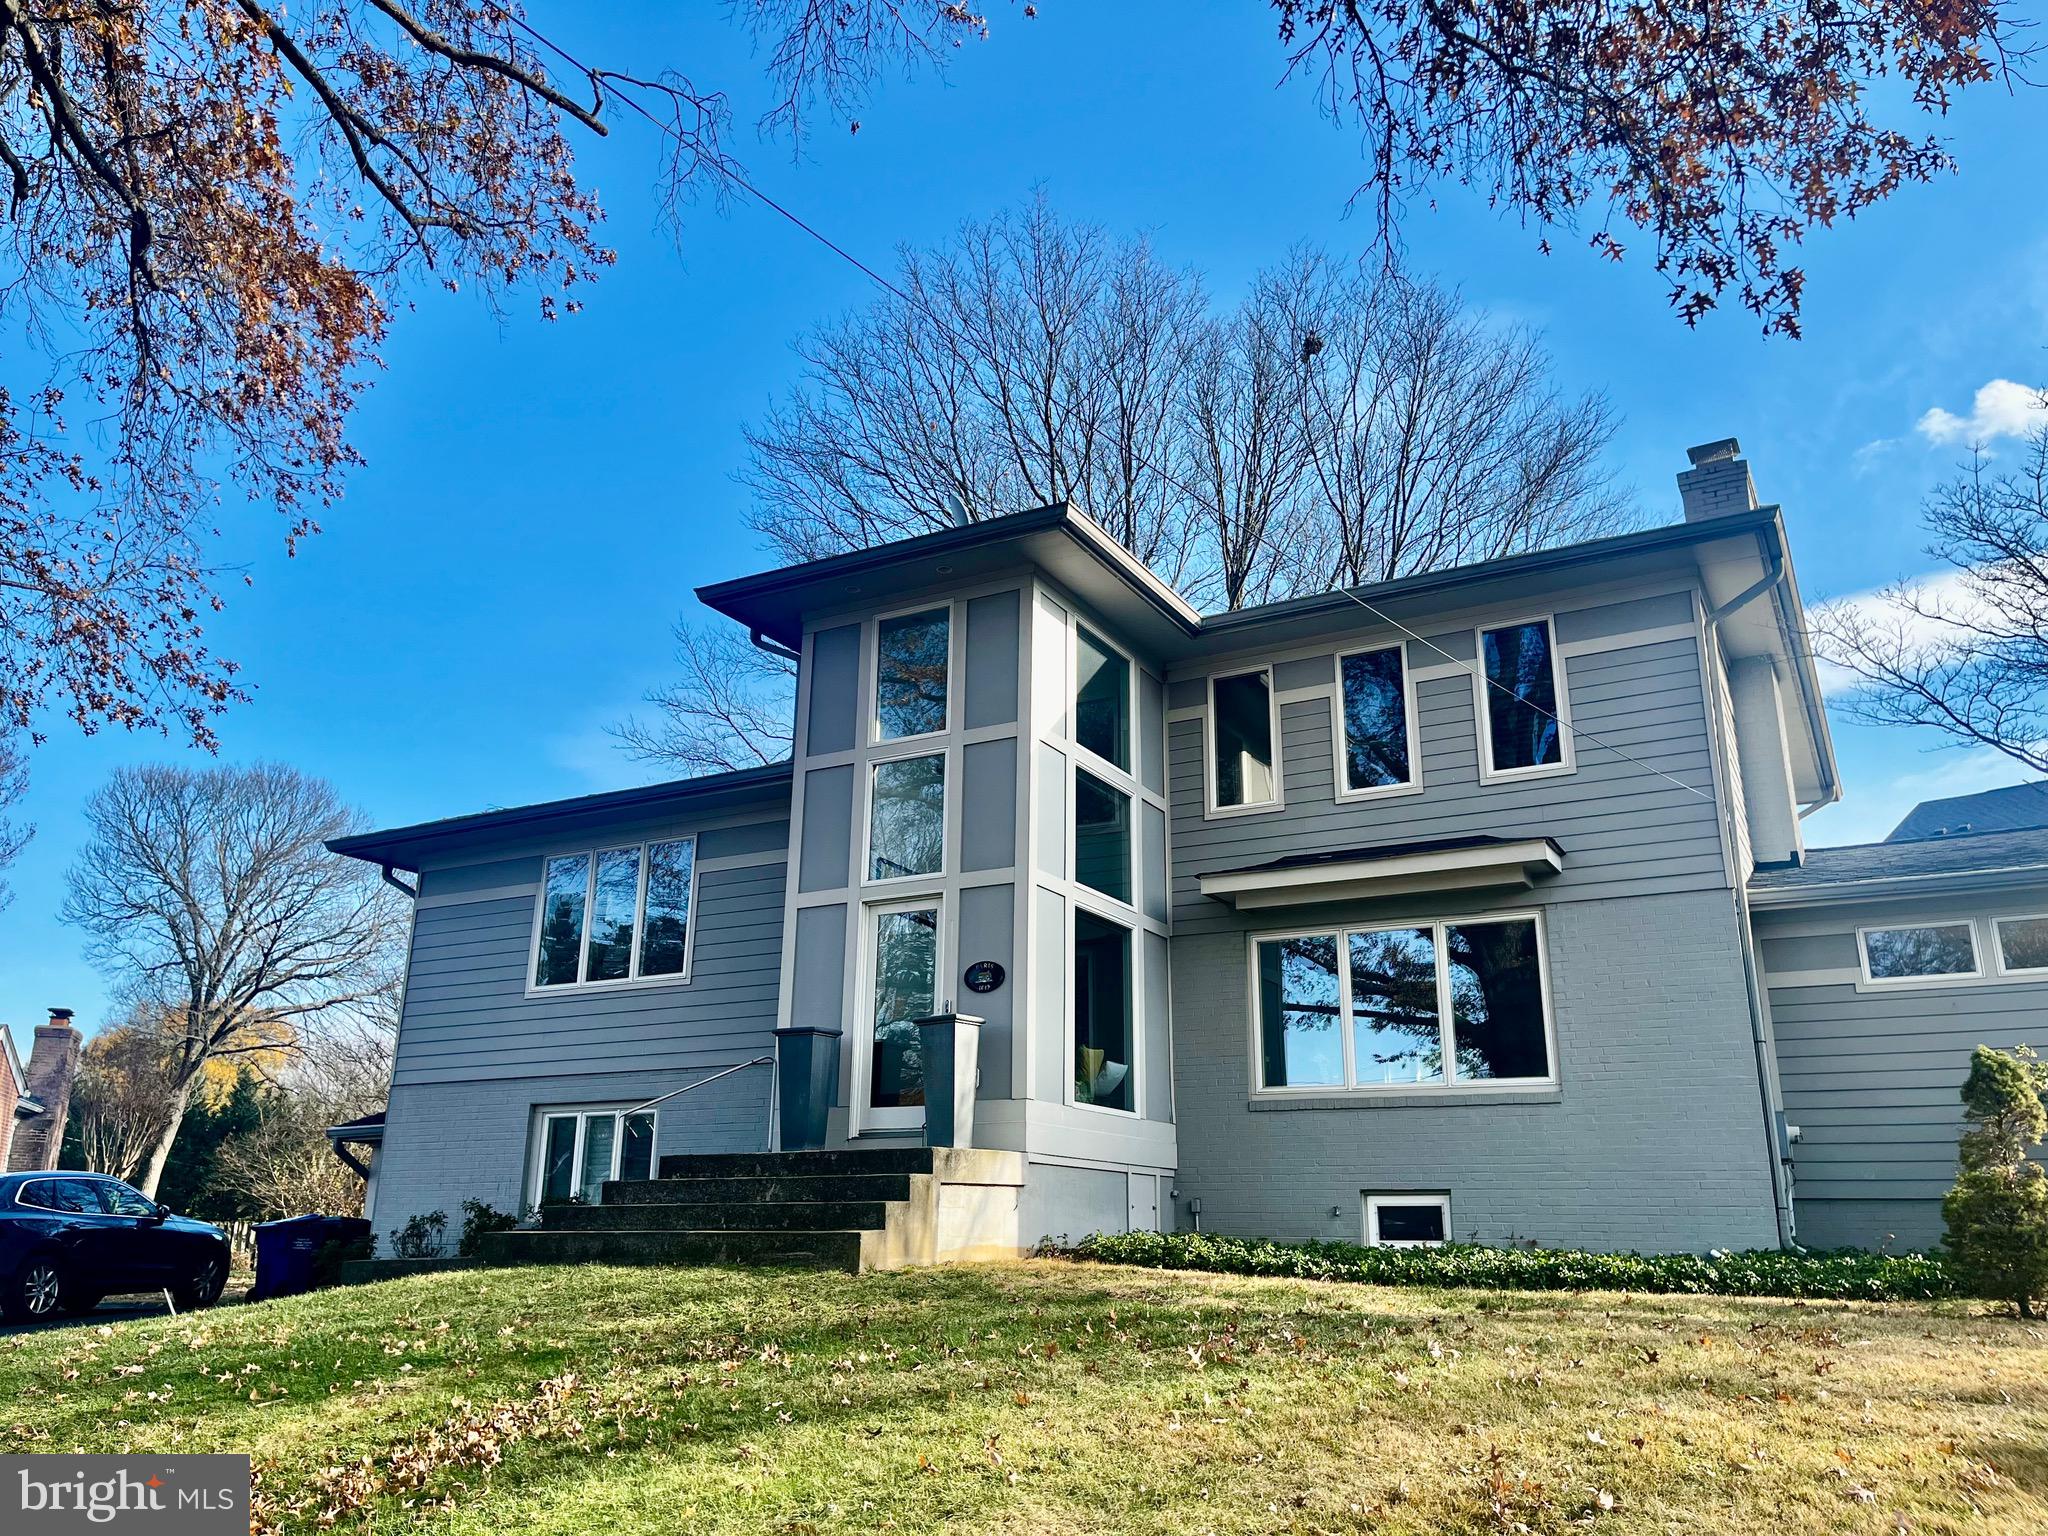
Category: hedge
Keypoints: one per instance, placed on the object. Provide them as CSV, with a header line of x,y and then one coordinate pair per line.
x,y
1846,1274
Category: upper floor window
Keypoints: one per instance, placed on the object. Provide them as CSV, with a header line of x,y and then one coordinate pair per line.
x,y
1243,769
1102,699
1416,1005
616,914
1377,745
907,817
911,674
1522,714
2022,944
1102,836
1926,952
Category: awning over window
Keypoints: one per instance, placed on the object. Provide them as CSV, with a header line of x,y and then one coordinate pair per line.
x,y
1391,869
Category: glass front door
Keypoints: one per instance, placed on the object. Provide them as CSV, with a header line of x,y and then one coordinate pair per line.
x,y
903,988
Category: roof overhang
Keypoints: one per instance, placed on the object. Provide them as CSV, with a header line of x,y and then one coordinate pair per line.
x,y
27,1107
1362,874
1058,539
1840,893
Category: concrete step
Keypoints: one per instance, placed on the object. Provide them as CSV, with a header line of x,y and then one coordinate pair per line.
x,y
751,1165
807,1250
751,1215
758,1189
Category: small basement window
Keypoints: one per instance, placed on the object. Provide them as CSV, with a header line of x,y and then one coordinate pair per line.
x,y
1928,952
1407,1221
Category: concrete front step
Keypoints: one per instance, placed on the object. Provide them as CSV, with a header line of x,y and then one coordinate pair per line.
x,y
722,1191
754,1165
754,1215
807,1250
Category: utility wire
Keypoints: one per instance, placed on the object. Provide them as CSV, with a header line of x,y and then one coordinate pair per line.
x,y
624,92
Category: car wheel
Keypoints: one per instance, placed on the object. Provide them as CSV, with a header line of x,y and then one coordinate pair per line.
x,y
35,1294
204,1287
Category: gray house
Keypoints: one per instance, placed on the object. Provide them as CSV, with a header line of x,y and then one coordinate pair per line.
x,y
1472,905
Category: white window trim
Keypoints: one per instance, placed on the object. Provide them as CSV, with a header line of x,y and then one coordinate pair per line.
x,y
582,1117
633,979
873,682
1102,767
1211,810
861,1115
1453,1085
1568,761
1340,740
1373,1204
926,748
1945,979
1087,898
1998,943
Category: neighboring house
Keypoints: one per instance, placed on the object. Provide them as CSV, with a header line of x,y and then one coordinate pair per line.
x,y
16,1102
1417,911
41,1095
2012,809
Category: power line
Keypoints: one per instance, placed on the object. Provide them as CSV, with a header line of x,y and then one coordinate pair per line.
x,y
624,92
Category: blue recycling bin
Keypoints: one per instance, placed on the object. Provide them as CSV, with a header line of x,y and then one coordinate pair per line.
x,y
286,1251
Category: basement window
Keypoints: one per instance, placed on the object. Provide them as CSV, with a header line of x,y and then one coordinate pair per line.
x,y
581,1149
1407,1221
1925,952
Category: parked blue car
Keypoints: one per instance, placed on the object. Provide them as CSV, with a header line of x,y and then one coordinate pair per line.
x,y
68,1239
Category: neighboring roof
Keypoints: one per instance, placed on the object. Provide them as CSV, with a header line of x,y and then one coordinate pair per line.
x,y
364,1129
10,1062
1875,871
404,847
2012,809
1385,869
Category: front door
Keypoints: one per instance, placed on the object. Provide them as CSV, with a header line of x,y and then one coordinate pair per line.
x,y
904,940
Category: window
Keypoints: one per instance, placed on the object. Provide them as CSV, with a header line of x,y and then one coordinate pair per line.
x,y
72,1196
1924,953
1102,1012
123,1200
1102,699
1376,747
1102,836
907,818
1429,1005
1520,701
594,905
1241,741
581,1149
911,674
1407,1221
2022,944
905,989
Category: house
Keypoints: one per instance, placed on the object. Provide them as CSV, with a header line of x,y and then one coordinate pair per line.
x,y
2012,809
1472,905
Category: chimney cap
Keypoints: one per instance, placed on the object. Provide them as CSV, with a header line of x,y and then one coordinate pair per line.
x,y
60,1015
1714,452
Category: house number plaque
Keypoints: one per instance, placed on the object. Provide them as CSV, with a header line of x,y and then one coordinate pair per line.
x,y
984,976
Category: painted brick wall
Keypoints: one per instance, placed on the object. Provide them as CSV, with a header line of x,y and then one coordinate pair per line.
x,y
1654,1141
448,1142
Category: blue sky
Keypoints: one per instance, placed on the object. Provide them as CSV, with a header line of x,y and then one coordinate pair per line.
x,y
540,500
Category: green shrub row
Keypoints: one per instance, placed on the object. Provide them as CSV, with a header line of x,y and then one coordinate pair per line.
x,y
1847,1274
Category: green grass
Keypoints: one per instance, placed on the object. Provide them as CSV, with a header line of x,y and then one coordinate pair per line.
x,y
1052,1396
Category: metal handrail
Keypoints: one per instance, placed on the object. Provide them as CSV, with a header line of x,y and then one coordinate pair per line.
x,y
758,1061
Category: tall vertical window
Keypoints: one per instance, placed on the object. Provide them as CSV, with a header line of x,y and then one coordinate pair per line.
x,y
581,1149
905,989
1241,740
1520,699
1102,699
907,818
1102,836
1497,1000
1396,1030
1301,1013
912,653
593,906
1373,693
1102,1012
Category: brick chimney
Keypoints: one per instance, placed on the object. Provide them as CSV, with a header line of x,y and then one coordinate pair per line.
x,y
1718,482
52,1066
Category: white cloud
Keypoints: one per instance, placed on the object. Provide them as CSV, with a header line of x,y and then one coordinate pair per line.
x,y
1868,812
2002,409
1941,592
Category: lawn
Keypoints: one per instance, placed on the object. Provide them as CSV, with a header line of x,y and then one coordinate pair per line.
x,y
1053,1396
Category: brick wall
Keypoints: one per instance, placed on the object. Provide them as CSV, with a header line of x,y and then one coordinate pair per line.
x,y
447,1142
1655,1139
52,1066
10,1095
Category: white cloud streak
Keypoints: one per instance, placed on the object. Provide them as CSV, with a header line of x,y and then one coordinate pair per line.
x,y
2002,409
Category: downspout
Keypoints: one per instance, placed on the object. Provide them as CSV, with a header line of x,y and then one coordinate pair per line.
x,y
1781,1196
761,642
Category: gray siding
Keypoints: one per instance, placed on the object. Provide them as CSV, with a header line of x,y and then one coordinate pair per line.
x,y
1597,1162
1872,1076
1625,831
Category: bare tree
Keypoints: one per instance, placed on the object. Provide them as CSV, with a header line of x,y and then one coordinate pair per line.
x,y
121,1103
14,835
1966,654
211,894
730,708
286,1165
